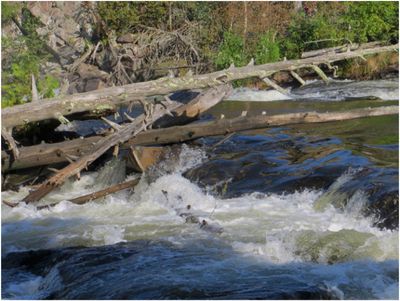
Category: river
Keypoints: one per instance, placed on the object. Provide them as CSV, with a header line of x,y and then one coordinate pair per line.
x,y
295,212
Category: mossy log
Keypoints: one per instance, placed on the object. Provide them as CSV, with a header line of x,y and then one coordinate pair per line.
x,y
106,99
51,153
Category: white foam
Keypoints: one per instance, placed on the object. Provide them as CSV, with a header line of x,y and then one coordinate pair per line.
x,y
316,89
262,227
247,94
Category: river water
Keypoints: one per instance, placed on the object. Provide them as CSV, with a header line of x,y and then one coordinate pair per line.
x,y
296,212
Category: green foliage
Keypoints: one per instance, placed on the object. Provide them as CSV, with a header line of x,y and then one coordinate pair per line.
x,y
24,55
267,49
120,16
358,22
124,16
152,13
304,29
373,20
47,85
230,51
16,80
9,10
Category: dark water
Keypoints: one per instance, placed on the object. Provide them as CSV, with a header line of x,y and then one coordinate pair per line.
x,y
297,212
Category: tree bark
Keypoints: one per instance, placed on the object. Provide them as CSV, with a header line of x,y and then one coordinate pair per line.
x,y
110,97
50,153
122,134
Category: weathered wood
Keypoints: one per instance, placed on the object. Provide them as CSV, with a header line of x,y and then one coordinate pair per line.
x,y
12,144
341,48
128,131
141,158
35,93
225,126
274,85
320,73
110,97
88,197
46,154
297,77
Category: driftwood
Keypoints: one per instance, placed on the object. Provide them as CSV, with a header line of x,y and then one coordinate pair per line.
x,y
51,153
122,134
108,98
338,49
89,197
225,126
141,158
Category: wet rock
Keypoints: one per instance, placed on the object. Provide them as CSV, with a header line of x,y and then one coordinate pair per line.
x,y
385,206
213,228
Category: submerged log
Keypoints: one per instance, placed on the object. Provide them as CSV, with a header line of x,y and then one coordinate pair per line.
x,y
89,197
49,153
126,132
110,97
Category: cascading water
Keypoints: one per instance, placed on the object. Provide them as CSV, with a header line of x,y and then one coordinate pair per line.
x,y
308,243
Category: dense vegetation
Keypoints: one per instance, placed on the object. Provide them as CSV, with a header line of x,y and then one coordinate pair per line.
x,y
224,33
23,57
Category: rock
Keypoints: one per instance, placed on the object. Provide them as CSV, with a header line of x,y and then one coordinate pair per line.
x,y
94,84
213,228
126,38
60,28
87,71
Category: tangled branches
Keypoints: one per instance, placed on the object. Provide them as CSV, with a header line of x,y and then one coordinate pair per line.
x,y
135,61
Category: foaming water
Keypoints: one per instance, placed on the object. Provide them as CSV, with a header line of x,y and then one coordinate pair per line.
x,y
317,90
286,242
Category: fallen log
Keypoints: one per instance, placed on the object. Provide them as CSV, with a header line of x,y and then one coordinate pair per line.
x,y
341,48
88,197
226,126
57,108
122,134
48,153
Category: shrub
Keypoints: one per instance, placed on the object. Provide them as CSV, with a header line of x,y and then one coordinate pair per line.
x,y
23,58
372,21
230,51
267,49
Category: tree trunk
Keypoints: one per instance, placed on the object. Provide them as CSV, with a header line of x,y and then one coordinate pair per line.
x,y
245,22
50,153
109,97
122,134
